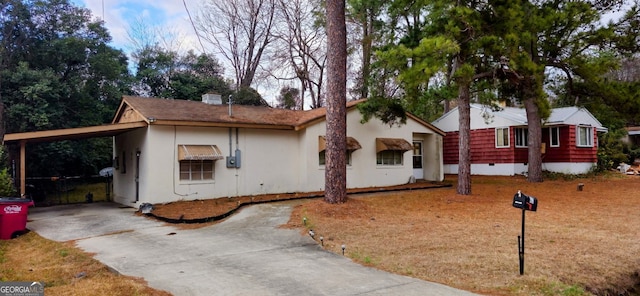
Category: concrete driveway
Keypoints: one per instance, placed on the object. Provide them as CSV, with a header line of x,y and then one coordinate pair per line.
x,y
247,254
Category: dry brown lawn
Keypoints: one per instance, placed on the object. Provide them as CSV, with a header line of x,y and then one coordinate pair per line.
x,y
64,269
578,242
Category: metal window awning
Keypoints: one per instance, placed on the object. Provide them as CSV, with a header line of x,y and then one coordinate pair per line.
x,y
352,144
199,152
395,144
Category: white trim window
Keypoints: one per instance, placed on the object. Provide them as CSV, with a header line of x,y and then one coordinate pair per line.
x,y
584,136
522,137
502,137
389,157
554,136
196,170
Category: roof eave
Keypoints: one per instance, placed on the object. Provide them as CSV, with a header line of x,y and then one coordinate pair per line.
x,y
426,124
222,124
73,133
322,117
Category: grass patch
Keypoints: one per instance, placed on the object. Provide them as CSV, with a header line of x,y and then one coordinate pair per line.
x,y
64,269
553,289
362,258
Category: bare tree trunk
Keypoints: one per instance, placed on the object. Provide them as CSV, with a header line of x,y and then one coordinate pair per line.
x,y
366,57
336,137
464,140
534,140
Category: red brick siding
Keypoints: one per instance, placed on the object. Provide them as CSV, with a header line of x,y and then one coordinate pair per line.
x,y
450,148
568,151
483,148
582,154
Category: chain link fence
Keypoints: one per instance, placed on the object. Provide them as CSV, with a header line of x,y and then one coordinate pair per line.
x,y
47,191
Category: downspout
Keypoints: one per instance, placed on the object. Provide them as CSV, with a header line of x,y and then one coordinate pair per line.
x,y
137,176
237,157
230,142
233,160
237,148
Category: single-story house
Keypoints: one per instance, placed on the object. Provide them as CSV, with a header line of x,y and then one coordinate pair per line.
x,y
198,150
499,140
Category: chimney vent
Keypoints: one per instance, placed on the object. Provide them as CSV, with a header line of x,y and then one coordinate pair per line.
x,y
212,99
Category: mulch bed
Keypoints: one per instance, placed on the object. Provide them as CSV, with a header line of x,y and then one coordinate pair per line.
x,y
208,210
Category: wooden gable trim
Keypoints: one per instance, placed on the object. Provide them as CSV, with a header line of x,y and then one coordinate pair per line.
x,y
126,113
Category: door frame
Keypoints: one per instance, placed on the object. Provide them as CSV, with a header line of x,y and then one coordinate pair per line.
x,y
418,173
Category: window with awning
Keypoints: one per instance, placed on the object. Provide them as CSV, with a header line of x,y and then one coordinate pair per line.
x,y
197,161
352,145
393,144
199,152
390,151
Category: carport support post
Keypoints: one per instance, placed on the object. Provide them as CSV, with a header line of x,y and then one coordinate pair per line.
x,y
23,169
521,245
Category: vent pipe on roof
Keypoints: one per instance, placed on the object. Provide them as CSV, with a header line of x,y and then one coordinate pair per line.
x,y
230,102
212,99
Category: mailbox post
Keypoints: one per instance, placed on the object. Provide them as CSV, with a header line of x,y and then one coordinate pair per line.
x,y
526,203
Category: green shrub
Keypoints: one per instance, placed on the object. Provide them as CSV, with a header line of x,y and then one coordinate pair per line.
x,y
6,184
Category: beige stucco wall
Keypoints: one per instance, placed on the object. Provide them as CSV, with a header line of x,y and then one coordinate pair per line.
x,y
272,161
268,164
363,171
125,148
432,155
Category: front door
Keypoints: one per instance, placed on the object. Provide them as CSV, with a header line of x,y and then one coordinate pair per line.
x,y
418,171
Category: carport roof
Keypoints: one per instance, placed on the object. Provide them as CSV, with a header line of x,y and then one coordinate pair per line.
x,y
73,133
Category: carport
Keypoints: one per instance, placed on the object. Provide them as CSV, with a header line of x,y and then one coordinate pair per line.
x,y
22,139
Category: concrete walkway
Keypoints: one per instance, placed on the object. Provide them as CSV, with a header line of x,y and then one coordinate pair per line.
x,y
247,254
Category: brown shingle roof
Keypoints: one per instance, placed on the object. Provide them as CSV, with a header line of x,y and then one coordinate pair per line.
x,y
182,112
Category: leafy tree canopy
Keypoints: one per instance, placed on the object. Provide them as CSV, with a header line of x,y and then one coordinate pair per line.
x,y
58,71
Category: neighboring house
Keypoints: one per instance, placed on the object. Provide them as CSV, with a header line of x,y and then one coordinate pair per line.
x,y
499,140
198,150
633,135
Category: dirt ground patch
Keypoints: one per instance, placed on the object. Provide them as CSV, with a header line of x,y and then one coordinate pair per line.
x,y
577,243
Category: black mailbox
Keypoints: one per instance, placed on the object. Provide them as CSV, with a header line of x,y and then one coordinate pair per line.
x,y
522,201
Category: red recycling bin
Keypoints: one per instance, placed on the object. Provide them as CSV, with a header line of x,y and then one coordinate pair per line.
x,y
13,215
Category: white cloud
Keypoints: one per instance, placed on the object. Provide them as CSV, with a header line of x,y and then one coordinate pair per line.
x,y
167,16
170,17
